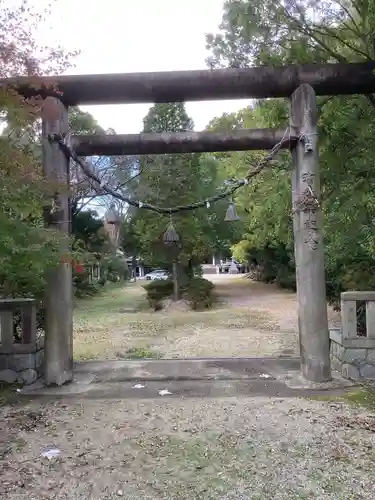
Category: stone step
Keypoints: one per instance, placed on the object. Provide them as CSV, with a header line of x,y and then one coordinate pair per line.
x,y
208,377
185,369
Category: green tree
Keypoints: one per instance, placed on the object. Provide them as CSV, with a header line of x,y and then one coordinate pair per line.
x,y
129,241
27,249
82,192
303,31
275,32
83,123
170,117
170,180
88,233
90,240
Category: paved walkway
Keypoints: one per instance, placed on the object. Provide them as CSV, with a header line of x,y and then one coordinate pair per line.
x,y
271,377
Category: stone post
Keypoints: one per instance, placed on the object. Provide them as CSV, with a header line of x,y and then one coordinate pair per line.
x,y
308,239
58,353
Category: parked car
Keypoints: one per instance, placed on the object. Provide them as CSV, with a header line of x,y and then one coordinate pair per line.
x,y
225,266
157,274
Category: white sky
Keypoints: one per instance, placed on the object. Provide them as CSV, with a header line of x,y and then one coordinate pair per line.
x,y
120,36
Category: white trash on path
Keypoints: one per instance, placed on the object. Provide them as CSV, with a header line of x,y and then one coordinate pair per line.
x,y
138,386
164,392
52,453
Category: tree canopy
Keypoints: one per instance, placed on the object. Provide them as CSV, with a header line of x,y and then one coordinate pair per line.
x,y
27,249
170,180
305,31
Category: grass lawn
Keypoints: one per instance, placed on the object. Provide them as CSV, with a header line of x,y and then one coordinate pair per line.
x,y
118,324
96,318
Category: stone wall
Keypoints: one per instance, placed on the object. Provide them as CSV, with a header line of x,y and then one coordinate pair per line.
x,y
353,354
22,364
352,362
21,355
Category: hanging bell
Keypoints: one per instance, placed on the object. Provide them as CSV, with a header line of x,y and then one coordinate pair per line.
x,y
231,214
171,236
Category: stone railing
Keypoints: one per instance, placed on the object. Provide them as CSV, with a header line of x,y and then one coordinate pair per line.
x,y
21,353
353,351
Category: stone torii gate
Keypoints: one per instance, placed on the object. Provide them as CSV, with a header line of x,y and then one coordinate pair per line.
x,y
300,84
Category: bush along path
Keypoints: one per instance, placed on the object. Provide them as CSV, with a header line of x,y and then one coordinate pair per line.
x,y
197,292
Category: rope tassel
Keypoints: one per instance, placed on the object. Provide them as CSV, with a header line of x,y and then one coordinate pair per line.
x,y
171,236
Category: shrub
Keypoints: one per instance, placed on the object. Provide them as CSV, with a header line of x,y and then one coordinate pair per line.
x,y
192,270
198,271
199,293
82,286
86,289
157,291
116,269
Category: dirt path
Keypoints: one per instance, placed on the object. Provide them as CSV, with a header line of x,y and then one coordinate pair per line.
x,y
279,304
252,319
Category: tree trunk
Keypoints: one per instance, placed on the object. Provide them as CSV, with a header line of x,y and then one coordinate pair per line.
x,y
176,284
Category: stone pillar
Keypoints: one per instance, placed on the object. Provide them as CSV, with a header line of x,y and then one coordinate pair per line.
x,y
59,290
308,239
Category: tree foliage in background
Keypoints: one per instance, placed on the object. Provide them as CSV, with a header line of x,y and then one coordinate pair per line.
x,y
90,239
119,172
306,31
170,180
27,249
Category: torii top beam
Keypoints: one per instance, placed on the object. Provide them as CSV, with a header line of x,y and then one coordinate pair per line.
x,y
200,85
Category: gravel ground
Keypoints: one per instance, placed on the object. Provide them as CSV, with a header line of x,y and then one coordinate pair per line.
x,y
234,448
